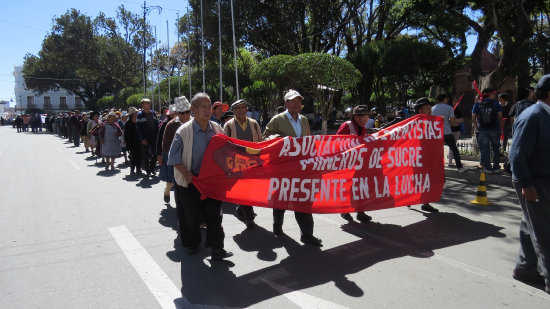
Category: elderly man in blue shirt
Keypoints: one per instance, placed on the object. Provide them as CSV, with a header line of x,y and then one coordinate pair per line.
x,y
186,153
531,178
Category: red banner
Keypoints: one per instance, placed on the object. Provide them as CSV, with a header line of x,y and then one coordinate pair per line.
x,y
397,166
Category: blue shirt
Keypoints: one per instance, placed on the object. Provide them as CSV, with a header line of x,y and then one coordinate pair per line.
x,y
201,139
296,124
477,110
531,147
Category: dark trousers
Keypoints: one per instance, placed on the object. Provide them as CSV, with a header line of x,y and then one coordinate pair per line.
x,y
189,218
534,233
304,220
148,157
76,137
135,158
449,140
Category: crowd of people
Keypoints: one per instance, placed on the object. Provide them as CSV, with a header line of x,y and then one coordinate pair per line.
x,y
176,141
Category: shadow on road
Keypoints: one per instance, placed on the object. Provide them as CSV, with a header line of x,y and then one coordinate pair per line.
x,y
307,266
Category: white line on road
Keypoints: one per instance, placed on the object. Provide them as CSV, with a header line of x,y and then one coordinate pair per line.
x,y
73,164
150,272
301,299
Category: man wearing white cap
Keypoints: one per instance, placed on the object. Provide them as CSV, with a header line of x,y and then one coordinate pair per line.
x,y
246,129
291,123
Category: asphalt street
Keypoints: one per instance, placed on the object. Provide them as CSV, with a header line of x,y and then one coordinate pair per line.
x,y
73,235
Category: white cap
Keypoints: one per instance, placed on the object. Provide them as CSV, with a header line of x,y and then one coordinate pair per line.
x,y
291,94
182,104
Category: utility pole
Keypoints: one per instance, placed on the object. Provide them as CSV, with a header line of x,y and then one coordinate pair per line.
x,y
189,51
220,47
169,66
202,46
178,60
234,51
146,10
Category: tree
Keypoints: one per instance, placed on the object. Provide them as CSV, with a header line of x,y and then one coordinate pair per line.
x,y
322,75
272,71
75,57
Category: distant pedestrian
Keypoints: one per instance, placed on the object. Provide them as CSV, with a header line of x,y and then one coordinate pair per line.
x,y
132,141
531,178
446,111
147,129
109,135
487,121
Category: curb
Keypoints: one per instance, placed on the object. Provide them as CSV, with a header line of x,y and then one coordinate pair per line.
x,y
472,175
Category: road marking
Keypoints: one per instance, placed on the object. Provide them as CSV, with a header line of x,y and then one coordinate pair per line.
x,y
301,299
59,149
160,285
73,164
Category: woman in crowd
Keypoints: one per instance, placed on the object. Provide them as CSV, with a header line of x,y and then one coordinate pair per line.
x,y
109,135
94,121
166,172
122,123
132,141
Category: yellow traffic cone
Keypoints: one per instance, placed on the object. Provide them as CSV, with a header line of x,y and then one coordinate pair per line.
x,y
481,195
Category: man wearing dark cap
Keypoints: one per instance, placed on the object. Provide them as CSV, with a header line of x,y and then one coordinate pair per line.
x,y
423,106
246,129
356,126
291,123
217,113
531,178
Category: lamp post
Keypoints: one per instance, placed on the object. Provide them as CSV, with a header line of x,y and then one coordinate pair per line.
x,y
146,9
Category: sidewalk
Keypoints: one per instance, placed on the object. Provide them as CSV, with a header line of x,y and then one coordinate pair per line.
x,y
473,173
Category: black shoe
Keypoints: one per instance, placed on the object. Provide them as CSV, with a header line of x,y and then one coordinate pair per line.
x,y
220,254
167,198
311,240
429,208
191,251
363,217
347,217
528,278
278,230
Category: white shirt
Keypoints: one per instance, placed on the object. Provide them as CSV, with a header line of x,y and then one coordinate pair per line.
x,y
370,123
446,111
296,124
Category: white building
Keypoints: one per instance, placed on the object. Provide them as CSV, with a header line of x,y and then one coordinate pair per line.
x,y
51,101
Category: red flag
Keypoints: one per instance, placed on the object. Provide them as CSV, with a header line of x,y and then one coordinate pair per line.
x,y
398,166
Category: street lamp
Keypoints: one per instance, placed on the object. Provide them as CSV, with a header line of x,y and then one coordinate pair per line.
x,y
146,9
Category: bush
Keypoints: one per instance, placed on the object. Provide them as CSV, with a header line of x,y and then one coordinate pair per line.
x,y
134,100
105,102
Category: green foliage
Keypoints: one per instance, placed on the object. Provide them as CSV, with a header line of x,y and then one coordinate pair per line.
x,y
81,56
105,102
134,100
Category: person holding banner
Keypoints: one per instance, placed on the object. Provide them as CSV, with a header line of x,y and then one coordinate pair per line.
x,y
291,123
246,129
423,106
186,155
356,126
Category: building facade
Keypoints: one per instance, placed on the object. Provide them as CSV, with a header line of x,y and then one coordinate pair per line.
x,y
50,101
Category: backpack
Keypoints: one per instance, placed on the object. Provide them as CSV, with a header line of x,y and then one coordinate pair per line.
x,y
488,116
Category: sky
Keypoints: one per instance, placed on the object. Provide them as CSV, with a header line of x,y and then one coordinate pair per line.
x,y
25,23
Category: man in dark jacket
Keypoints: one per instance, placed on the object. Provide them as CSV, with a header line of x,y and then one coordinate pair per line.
x,y
531,179
147,130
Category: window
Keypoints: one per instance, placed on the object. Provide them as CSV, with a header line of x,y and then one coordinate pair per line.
x,y
63,103
77,103
30,101
47,103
